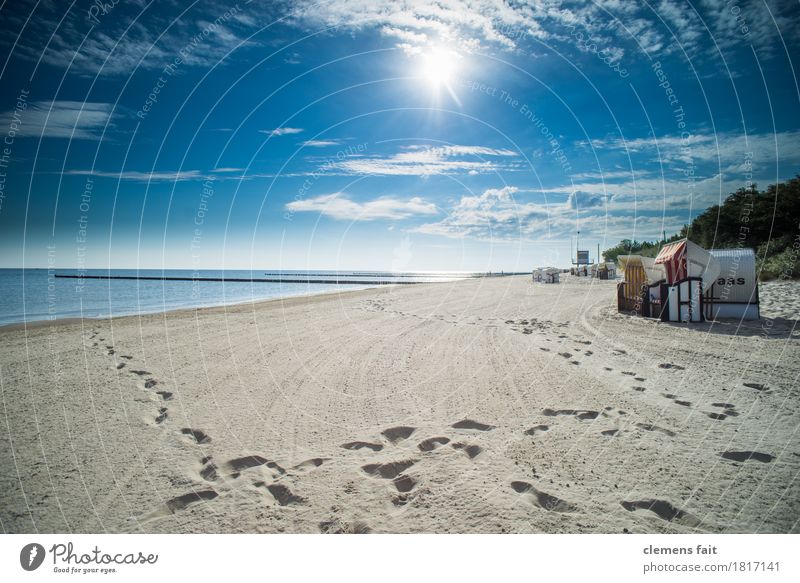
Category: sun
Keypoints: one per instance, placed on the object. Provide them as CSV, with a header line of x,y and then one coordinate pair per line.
x,y
438,66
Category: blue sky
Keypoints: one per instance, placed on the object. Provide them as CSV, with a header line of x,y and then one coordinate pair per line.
x,y
476,135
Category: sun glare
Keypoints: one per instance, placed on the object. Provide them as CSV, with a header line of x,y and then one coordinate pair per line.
x,y
438,67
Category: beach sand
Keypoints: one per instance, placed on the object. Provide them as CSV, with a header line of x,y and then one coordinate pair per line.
x,y
488,405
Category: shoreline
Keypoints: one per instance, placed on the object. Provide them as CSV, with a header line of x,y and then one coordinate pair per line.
x,y
44,323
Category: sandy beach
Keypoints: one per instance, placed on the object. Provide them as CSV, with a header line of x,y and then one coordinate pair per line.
x,y
487,405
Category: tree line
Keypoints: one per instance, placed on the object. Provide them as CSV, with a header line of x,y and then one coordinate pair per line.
x,y
767,221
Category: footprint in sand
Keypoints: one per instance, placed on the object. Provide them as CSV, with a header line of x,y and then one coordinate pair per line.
x,y
628,372
388,470
544,349
668,365
139,372
729,410
639,389
150,383
282,495
394,471
120,365
543,499
583,415
362,445
664,510
165,395
196,435
609,432
398,434
640,379
537,430
311,464
209,470
724,405
743,456
126,357
565,354
183,502
240,464
472,451
471,424
717,416
650,427
609,410
162,415
756,386
404,483
432,443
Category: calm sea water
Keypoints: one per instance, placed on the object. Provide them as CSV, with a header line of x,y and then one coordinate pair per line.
x,y
28,295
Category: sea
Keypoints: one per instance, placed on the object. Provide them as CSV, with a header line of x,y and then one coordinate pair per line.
x,y
30,295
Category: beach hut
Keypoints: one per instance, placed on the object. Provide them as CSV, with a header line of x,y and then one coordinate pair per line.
x,y
607,270
637,273
734,292
538,275
551,275
689,271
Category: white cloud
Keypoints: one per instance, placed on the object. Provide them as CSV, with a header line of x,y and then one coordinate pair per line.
x,y
580,199
426,161
128,37
725,150
321,143
495,214
660,28
281,131
504,214
59,119
136,176
339,206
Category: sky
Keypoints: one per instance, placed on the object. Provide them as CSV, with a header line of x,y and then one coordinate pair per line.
x,y
475,135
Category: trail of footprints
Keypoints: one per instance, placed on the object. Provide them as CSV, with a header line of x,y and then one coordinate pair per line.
x,y
404,483
396,471
256,466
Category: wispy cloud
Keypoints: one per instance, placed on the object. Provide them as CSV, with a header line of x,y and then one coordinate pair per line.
x,y
663,27
321,143
426,161
341,207
281,131
129,38
727,150
136,176
60,119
